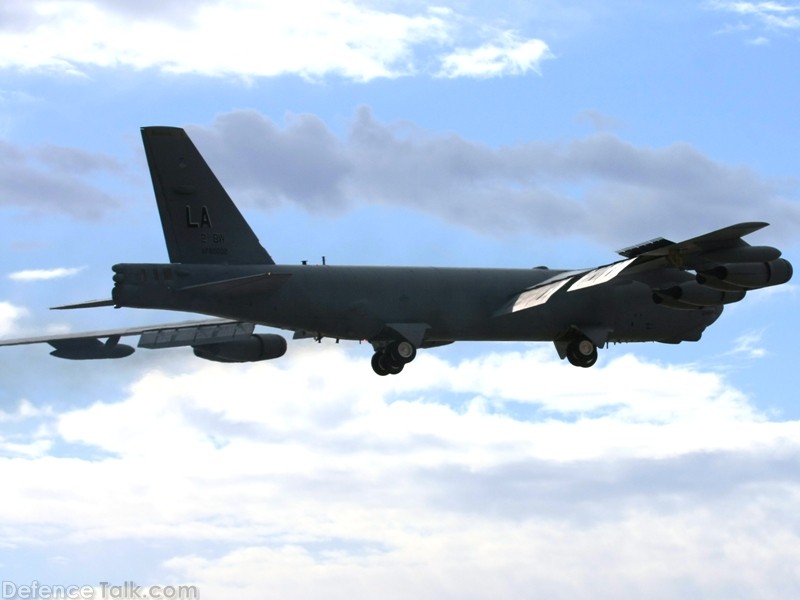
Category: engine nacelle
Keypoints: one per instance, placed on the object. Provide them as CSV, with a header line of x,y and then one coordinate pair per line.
x,y
259,346
692,294
742,254
747,275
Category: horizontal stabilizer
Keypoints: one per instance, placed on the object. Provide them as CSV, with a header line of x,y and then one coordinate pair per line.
x,y
89,304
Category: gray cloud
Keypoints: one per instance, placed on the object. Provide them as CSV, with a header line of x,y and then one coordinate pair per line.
x,y
74,160
599,186
303,162
53,178
574,491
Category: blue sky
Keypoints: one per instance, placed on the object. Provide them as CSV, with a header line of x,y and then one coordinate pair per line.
x,y
456,133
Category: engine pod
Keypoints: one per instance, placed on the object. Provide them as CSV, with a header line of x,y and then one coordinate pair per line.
x,y
253,348
748,275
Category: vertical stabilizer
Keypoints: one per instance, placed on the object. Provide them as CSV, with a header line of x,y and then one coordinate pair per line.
x,y
201,223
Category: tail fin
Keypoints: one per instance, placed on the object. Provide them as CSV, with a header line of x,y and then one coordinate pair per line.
x,y
201,223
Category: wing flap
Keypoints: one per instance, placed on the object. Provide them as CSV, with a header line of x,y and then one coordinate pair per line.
x,y
601,275
216,333
577,280
534,296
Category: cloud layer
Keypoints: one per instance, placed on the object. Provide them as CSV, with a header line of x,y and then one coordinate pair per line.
x,y
248,39
454,479
55,179
599,186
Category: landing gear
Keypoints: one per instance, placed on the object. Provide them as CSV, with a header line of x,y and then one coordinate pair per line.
x,y
390,359
383,364
402,352
581,352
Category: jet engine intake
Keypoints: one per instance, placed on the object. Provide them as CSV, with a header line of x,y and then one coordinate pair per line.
x,y
259,346
747,275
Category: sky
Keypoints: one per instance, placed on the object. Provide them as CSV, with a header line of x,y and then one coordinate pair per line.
x,y
460,133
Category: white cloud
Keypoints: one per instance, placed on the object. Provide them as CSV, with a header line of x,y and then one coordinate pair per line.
x,y
248,38
773,14
768,16
750,345
34,444
508,55
8,315
25,410
514,471
45,274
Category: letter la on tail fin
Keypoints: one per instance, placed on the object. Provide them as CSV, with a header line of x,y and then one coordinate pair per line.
x,y
201,223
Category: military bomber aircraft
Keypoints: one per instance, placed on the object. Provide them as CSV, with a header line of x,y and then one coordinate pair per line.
x,y
660,291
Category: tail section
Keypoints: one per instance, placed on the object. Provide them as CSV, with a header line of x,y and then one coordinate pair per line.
x,y
201,223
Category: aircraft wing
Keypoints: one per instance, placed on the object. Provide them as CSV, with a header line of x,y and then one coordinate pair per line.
x,y
727,237
726,267
88,345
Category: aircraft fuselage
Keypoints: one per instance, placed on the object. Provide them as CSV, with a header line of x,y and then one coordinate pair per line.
x,y
347,302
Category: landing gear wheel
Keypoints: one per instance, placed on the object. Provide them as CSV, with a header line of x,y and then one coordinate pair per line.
x,y
401,352
582,353
390,360
377,366
384,364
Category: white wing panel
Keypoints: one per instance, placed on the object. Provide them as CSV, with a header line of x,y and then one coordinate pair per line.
x,y
600,275
537,296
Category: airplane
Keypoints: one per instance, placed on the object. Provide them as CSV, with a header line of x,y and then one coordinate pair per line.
x,y
661,291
